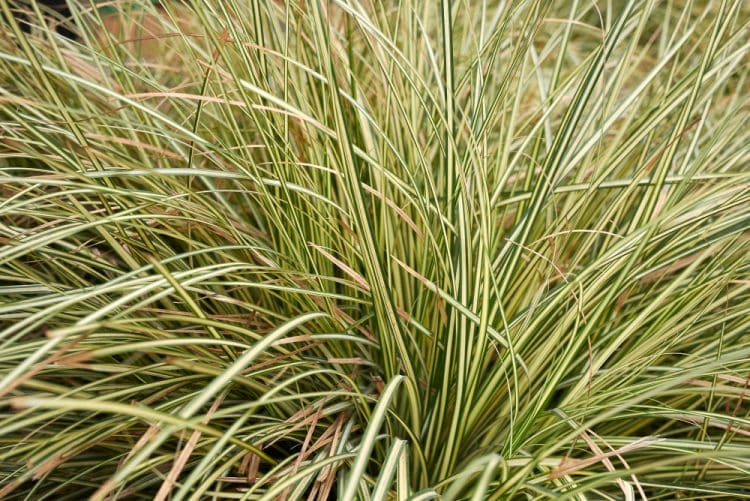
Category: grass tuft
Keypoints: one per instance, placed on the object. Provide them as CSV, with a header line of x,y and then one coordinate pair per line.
x,y
376,250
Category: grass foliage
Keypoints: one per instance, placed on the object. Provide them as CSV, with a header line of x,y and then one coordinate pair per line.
x,y
355,249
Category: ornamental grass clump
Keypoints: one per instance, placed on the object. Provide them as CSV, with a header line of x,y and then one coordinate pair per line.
x,y
376,250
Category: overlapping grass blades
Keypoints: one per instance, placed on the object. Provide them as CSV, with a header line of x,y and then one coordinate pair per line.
x,y
388,250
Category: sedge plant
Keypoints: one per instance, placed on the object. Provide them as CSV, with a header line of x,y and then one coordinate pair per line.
x,y
387,250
